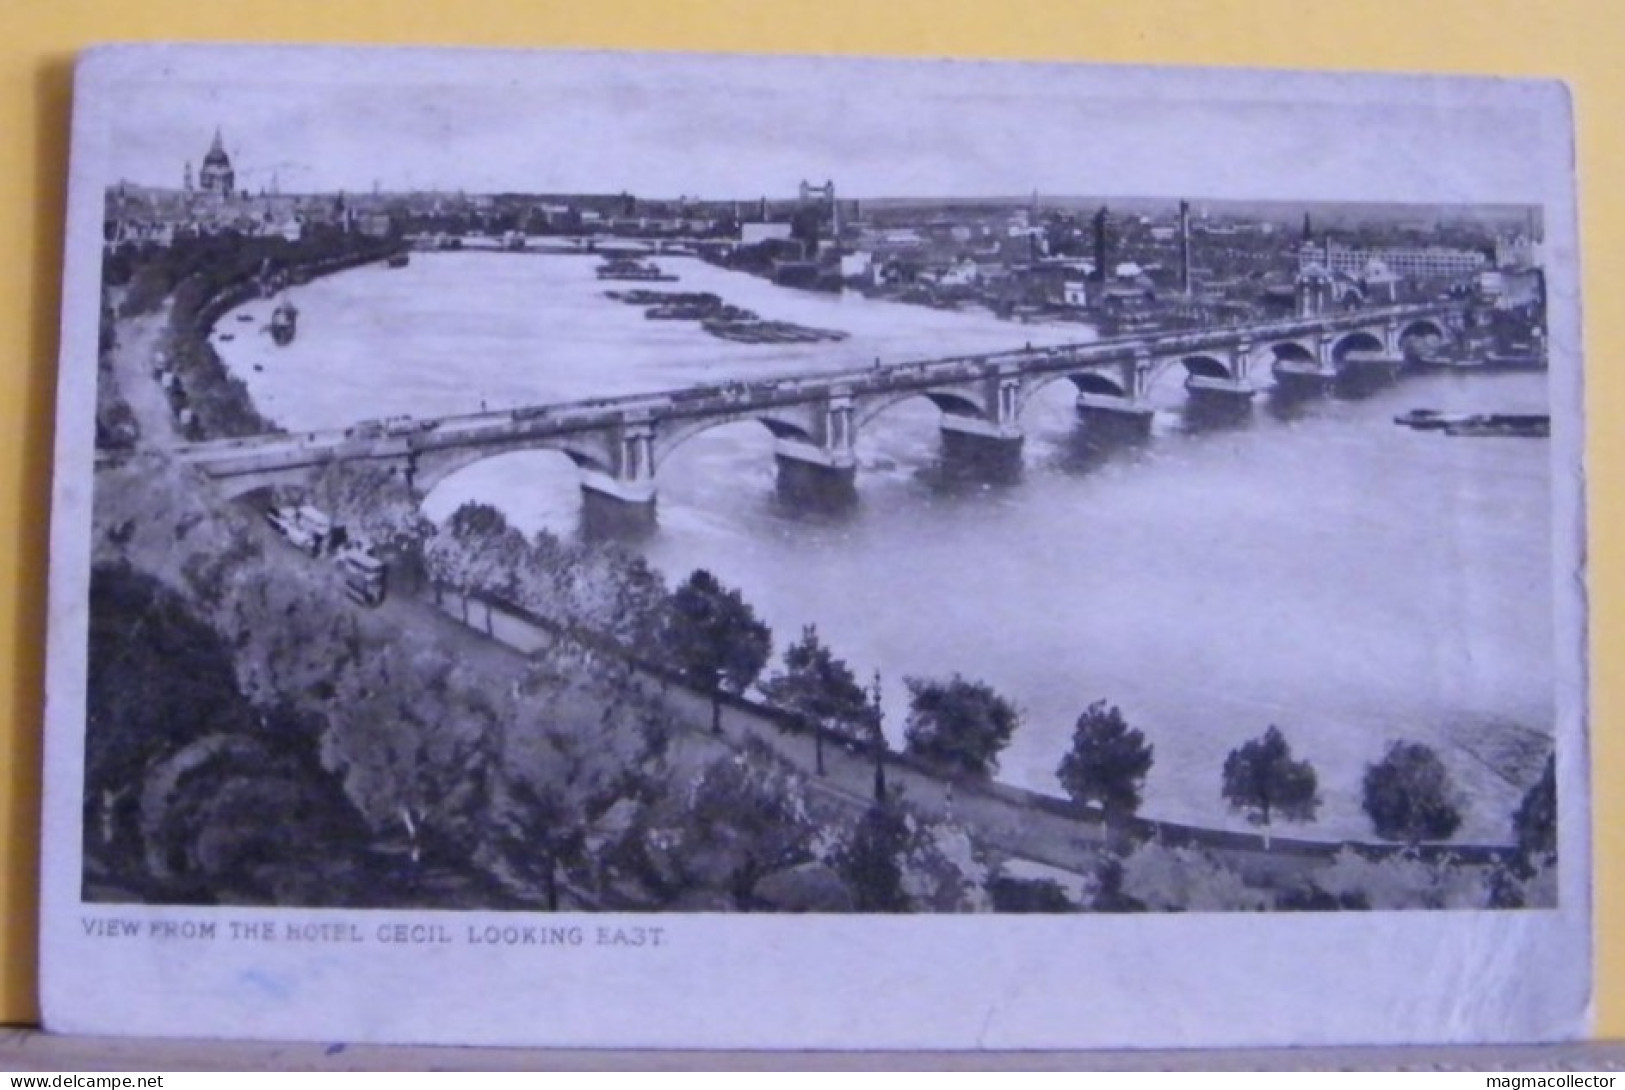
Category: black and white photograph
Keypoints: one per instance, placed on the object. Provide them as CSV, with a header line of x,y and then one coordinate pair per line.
x,y
518,505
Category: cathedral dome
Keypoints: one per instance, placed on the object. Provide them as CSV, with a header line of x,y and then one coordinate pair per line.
x,y
216,175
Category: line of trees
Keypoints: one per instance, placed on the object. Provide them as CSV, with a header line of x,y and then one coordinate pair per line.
x,y
1408,794
711,634
961,726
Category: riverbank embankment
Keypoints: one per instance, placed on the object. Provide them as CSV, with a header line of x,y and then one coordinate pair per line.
x,y
1009,820
189,288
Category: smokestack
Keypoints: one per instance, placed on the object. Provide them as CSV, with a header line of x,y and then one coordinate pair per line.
x,y
1100,244
1185,247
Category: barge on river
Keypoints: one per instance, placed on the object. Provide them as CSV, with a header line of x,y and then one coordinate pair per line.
x,y
284,322
632,269
1478,425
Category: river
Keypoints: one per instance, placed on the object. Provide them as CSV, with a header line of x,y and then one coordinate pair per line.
x,y
1313,566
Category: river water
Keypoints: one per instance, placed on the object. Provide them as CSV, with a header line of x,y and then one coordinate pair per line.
x,y
1312,566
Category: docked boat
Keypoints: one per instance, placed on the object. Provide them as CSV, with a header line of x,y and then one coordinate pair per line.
x,y
632,269
284,322
1514,425
1518,358
1430,419
398,260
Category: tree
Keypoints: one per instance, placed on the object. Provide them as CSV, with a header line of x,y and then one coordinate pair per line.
x,y
871,860
959,723
159,679
1108,762
746,818
1409,796
1028,895
1262,779
713,636
820,687
476,551
1535,822
539,831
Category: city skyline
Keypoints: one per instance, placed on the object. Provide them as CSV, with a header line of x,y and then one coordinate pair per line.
x,y
950,129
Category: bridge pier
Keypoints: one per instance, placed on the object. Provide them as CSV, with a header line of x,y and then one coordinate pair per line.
x,y
816,478
1303,378
616,510
1126,415
1220,389
1363,373
976,449
619,502
1109,418
1217,402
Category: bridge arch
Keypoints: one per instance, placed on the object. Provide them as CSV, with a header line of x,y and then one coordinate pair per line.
x,y
1103,380
430,468
535,488
1293,352
948,402
1359,340
669,438
1423,327
1205,366
255,495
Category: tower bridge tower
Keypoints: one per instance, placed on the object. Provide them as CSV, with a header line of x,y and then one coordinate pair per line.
x,y
826,193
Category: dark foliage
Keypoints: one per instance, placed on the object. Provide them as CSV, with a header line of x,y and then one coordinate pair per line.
x,y
1409,795
871,861
960,724
821,688
713,636
190,794
158,679
1029,895
1108,762
1109,895
1262,779
1535,822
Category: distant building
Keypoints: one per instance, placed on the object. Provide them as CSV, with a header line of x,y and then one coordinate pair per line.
x,y
374,224
1518,252
751,233
216,176
858,266
961,274
1422,262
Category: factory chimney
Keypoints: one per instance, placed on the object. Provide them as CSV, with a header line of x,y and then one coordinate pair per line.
x,y
1185,247
1102,219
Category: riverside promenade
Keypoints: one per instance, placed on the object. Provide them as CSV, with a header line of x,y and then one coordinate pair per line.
x,y
1006,821
995,822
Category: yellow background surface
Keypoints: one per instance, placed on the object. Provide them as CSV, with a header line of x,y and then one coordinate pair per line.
x,y
1574,40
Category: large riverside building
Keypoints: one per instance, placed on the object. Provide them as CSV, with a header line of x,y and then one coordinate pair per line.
x,y
1420,262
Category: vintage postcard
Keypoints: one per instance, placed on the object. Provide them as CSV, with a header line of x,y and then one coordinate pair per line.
x,y
658,550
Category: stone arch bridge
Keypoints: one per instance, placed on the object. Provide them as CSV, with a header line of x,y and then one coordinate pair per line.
x,y
619,443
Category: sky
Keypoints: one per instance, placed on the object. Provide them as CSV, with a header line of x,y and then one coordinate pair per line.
x,y
671,125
